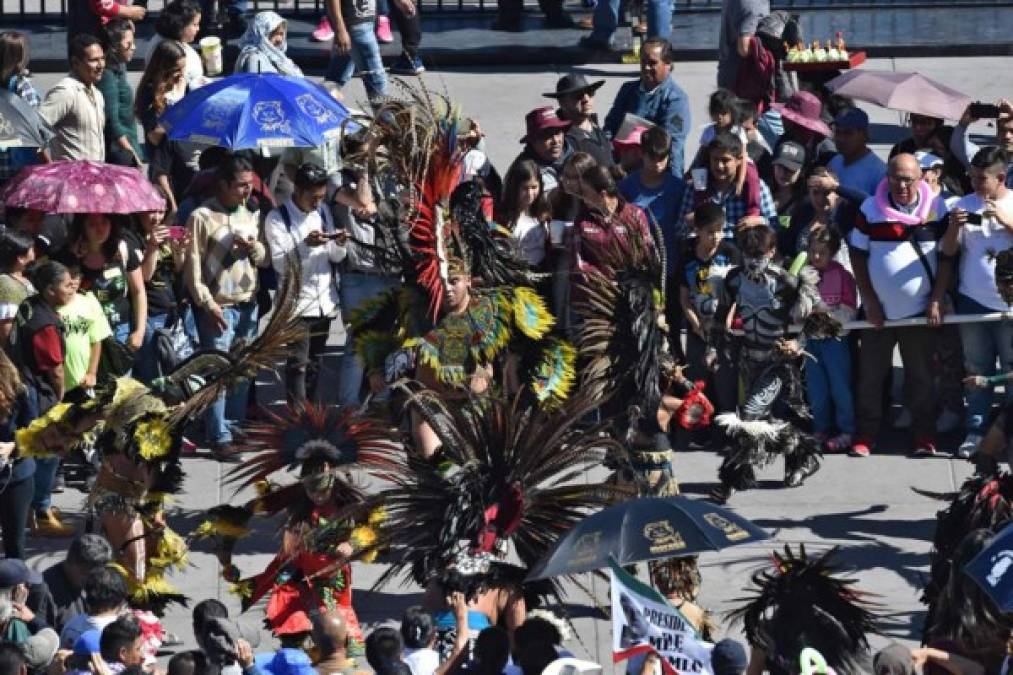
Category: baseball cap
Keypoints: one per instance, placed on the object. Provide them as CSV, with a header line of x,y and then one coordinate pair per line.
x,y
542,119
40,648
14,571
852,118
927,160
286,661
790,155
88,643
729,658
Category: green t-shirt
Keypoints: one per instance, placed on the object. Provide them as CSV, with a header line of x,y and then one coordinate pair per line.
x,y
84,324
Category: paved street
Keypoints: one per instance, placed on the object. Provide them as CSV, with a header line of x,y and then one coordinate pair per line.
x,y
867,506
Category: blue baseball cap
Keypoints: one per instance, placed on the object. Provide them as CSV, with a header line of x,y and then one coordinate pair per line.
x,y
14,571
88,643
286,661
852,118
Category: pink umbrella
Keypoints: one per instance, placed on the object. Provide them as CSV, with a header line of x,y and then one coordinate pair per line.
x,y
81,186
909,92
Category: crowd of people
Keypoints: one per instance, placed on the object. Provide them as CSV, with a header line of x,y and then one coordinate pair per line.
x,y
605,300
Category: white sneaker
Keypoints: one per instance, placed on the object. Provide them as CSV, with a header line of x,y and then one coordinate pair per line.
x,y
969,446
903,420
948,421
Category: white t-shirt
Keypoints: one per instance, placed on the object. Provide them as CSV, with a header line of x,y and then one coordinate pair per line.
x,y
979,245
530,235
895,269
422,661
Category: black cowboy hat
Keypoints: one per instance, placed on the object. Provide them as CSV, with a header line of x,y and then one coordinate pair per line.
x,y
572,84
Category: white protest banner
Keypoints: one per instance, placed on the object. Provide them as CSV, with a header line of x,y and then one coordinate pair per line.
x,y
643,620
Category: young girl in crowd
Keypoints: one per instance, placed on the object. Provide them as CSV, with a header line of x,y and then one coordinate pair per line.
x,y
179,22
524,210
828,372
162,84
17,251
111,270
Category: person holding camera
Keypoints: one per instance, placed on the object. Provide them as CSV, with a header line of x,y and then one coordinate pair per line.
x,y
980,225
303,228
965,150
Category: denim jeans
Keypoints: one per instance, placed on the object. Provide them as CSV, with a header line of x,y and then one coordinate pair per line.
x,y
984,344
242,323
828,385
146,363
365,54
356,290
606,19
45,474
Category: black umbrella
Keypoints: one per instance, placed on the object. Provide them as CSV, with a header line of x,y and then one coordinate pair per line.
x,y
21,126
648,528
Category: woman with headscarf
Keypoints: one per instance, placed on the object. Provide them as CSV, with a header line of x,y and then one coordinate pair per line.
x,y
262,47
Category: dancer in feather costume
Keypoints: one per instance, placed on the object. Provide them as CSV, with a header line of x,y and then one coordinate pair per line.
x,y
765,300
138,433
510,478
312,570
804,603
623,344
438,328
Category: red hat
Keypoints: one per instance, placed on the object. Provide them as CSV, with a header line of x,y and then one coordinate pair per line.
x,y
804,109
540,119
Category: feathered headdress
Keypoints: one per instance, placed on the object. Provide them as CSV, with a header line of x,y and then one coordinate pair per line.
x,y
198,382
506,473
803,603
983,502
962,611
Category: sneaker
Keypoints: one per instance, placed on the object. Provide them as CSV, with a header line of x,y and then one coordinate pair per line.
x,y
969,446
408,64
59,483
948,421
323,32
861,448
925,447
839,443
903,420
383,34
48,524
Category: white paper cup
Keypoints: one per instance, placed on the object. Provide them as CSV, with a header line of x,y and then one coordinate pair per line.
x,y
699,179
211,55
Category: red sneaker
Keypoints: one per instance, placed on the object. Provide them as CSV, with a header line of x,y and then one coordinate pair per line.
x,y
861,448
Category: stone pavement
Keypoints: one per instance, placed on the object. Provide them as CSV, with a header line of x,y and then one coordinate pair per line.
x,y
867,506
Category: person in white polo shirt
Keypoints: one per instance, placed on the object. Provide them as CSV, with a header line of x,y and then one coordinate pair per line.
x,y
894,252
303,227
980,226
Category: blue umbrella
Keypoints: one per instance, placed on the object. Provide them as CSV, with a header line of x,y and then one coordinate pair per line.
x,y
992,569
258,110
648,528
